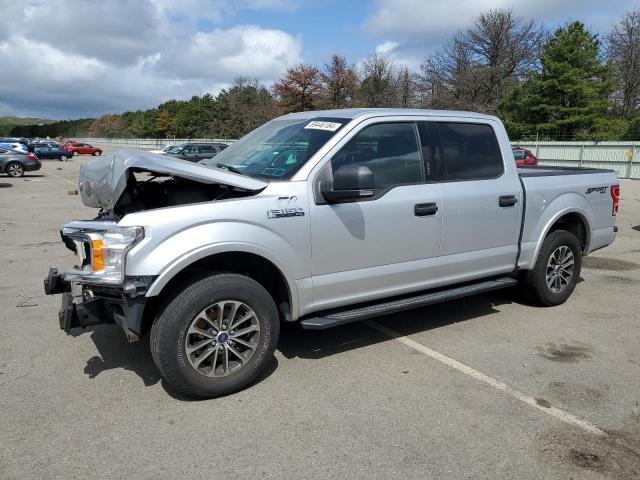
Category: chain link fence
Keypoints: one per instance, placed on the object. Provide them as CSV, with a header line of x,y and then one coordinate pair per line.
x,y
623,157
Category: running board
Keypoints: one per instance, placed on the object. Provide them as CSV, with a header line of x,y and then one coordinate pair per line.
x,y
346,316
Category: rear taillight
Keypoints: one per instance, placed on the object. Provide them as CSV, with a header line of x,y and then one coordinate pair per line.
x,y
32,156
615,195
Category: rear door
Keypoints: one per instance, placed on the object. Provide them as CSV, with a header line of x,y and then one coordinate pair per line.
x,y
387,244
482,203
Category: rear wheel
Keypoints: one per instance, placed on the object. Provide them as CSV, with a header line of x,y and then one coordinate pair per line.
x,y
75,153
15,170
215,336
97,153
557,270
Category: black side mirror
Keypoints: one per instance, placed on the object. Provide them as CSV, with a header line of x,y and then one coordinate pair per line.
x,y
350,182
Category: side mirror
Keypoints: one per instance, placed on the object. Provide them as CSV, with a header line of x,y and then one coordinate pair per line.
x,y
350,182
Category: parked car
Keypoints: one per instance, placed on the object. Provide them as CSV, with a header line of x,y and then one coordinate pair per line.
x,y
77,148
163,151
13,146
524,157
386,210
195,152
47,151
15,162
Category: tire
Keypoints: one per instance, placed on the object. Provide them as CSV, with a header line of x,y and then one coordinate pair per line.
x,y
15,170
97,153
63,158
202,372
75,153
548,285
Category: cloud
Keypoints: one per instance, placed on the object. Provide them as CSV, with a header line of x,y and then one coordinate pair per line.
x,y
73,58
413,29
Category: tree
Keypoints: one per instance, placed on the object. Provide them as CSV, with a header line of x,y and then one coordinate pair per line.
x,y
299,90
244,107
339,83
379,81
623,51
479,65
406,88
569,94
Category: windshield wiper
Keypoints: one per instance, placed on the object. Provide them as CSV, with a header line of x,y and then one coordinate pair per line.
x,y
231,168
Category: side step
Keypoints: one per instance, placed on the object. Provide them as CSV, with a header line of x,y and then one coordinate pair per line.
x,y
336,318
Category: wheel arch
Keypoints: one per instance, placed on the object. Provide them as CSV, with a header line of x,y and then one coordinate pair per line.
x,y
256,265
573,220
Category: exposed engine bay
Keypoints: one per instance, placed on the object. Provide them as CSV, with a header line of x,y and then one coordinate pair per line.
x,y
147,191
133,180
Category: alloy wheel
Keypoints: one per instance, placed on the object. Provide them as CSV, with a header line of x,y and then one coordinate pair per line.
x,y
560,269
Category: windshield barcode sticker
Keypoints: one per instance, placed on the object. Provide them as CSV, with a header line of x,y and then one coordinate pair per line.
x,y
329,126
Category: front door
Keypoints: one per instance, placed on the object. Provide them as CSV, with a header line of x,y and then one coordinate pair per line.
x,y
385,245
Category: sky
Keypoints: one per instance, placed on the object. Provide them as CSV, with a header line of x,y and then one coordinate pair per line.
x,y
83,58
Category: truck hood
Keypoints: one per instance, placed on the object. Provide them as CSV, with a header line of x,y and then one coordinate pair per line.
x,y
103,180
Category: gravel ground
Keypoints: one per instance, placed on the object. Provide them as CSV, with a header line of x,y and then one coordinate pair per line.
x,y
484,387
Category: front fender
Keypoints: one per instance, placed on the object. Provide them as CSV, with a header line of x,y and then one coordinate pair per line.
x,y
541,217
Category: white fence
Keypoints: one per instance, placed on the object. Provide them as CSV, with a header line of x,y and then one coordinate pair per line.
x,y
623,157
148,143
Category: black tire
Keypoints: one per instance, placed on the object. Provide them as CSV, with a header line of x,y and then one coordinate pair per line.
x,y
97,153
169,334
75,153
63,158
14,169
534,283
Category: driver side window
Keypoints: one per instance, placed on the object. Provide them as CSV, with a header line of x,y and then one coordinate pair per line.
x,y
390,150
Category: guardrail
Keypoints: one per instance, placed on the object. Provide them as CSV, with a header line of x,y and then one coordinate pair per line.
x,y
623,157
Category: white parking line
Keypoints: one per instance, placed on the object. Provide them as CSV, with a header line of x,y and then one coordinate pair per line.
x,y
58,176
492,382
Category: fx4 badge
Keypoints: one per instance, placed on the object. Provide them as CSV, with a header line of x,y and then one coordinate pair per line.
x,y
285,212
596,189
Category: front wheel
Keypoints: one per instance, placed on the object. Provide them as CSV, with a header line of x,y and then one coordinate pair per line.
x,y
556,271
97,153
63,158
215,336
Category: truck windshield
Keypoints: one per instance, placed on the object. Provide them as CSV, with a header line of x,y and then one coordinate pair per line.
x,y
279,148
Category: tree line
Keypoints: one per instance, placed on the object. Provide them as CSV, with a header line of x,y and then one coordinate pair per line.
x,y
565,84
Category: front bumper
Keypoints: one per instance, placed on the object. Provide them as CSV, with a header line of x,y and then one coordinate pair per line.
x,y
87,305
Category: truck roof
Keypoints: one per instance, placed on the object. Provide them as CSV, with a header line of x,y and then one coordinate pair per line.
x,y
352,113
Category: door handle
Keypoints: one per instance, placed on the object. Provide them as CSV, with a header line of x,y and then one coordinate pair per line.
x,y
507,200
425,209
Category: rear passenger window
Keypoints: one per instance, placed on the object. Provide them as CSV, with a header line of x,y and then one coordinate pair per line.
x,y
390,150
470,151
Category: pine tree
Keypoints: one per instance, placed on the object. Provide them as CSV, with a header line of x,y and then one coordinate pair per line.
x,y
565,99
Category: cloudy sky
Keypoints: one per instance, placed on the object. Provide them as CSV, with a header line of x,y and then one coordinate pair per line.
x,y
75,58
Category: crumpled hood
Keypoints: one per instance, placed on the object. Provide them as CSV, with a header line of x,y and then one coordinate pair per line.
x,y
103,180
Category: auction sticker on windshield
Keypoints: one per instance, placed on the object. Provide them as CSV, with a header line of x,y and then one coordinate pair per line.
x,y
329,126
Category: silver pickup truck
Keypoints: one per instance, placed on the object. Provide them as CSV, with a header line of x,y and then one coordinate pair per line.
x,y
322,218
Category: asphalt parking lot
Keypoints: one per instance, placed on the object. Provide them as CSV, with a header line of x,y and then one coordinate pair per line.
x,y
485,387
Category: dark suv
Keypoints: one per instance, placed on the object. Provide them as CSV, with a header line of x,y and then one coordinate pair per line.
x,y
194,152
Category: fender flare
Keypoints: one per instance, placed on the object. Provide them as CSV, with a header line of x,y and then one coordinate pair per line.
x,y
552,221
182,262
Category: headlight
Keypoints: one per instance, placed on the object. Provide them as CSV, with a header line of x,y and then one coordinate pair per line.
x,y
106,251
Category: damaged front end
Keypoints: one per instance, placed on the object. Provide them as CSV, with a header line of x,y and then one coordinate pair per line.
x,y
97,290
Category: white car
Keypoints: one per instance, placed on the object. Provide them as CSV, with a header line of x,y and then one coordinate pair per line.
x,y
164,151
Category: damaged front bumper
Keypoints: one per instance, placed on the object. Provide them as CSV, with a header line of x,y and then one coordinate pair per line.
x,y
85,305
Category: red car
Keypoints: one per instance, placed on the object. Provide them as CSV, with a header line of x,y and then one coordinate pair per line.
x,y
524,157
77,148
